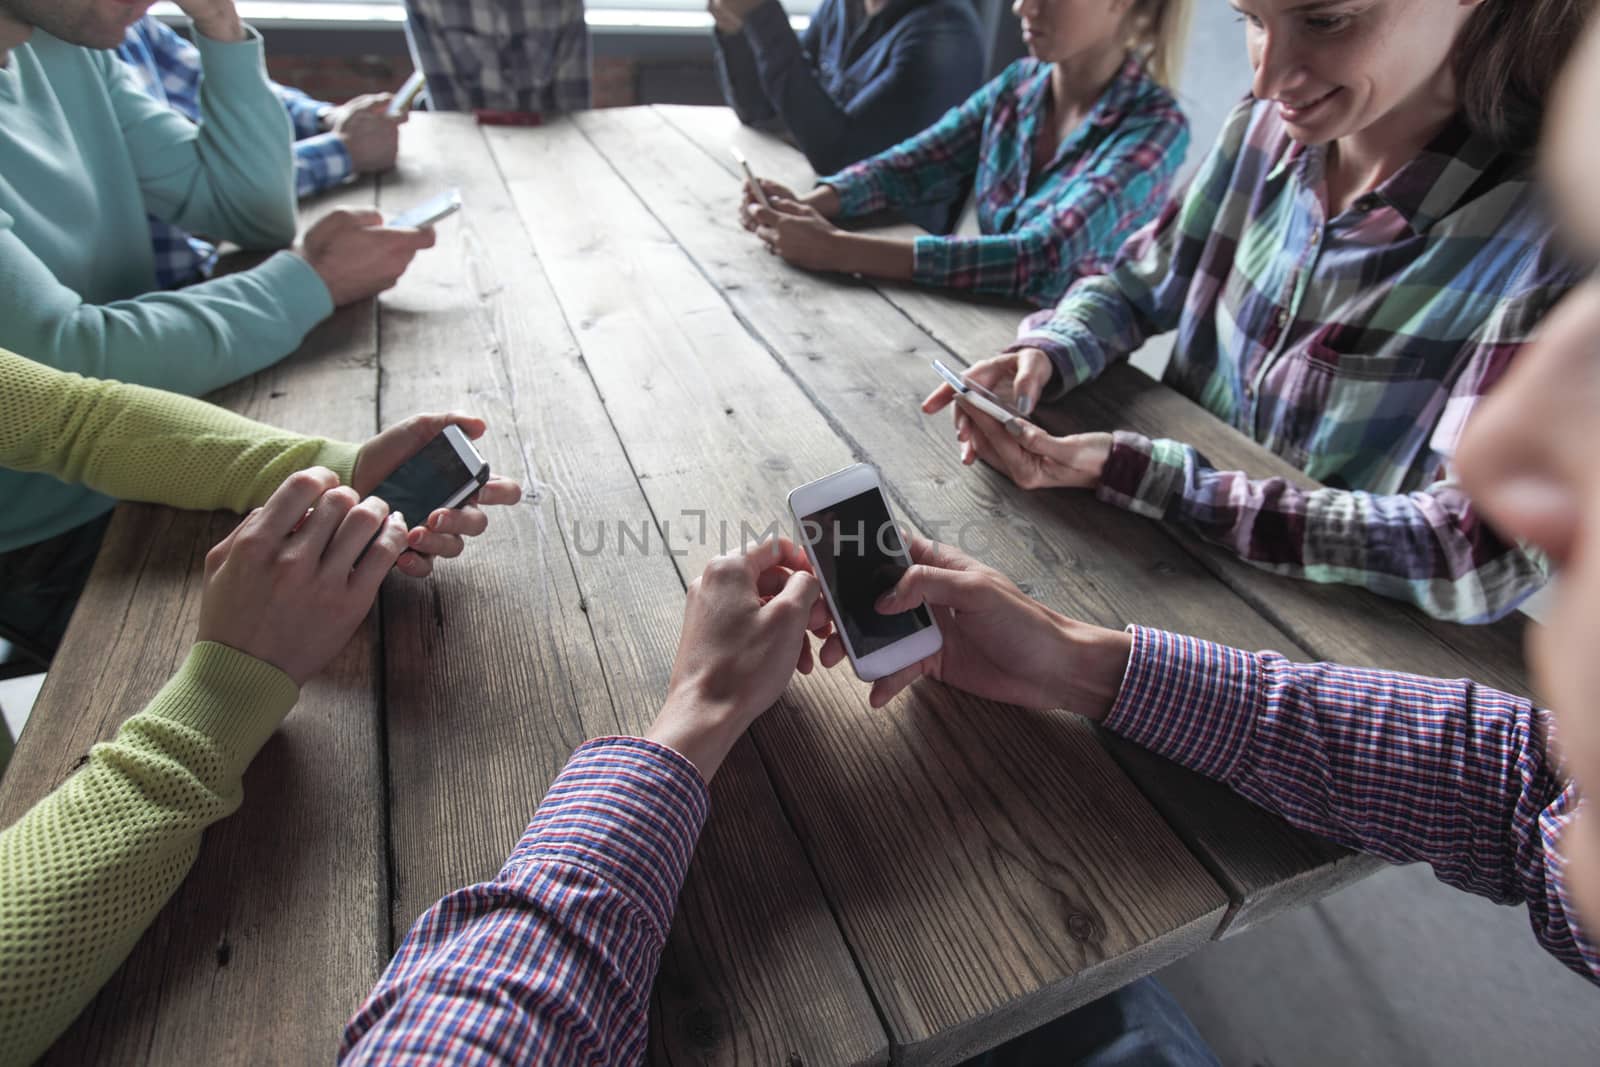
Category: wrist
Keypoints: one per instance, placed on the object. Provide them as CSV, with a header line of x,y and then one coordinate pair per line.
x,y
1094,662
701,730
222,27
825,199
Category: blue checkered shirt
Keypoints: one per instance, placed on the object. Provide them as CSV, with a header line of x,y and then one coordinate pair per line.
x,y
168,68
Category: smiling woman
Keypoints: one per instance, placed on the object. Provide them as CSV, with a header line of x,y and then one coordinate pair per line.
x,y
1359,261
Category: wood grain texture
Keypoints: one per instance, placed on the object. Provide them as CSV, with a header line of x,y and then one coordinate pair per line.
x,y
1266,866
278,929
1081,557
991,869
552,630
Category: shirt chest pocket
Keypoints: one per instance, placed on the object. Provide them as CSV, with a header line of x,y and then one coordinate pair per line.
x,y
1331,413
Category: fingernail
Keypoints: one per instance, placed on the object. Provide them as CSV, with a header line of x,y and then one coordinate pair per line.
x,y
398,518
885,602
1024,405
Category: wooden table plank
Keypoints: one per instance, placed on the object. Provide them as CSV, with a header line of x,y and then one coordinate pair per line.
x,y
1091,561
990,871
1265,871
540,638
279,928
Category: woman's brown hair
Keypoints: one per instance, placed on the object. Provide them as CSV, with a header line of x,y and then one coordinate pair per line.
x,y
1506,61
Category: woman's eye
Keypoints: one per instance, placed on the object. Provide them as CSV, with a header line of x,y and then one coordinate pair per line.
x,y
1250,19
1327,23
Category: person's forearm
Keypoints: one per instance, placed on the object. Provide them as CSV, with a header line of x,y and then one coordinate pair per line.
x,y
890,258
1445,772
1429,548
825,198
554,960
86,869
143,444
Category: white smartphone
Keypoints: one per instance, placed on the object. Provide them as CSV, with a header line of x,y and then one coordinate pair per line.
x,y
750,176
856,552
406,98
430,211
979,397
447,471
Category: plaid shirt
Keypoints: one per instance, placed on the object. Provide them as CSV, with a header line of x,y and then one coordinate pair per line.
x,y
1448,773
1040,232
554,960
1355,348
501,55
168,68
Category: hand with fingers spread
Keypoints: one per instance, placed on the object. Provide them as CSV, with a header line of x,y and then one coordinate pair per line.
x,y
744,636
441,533
1021,375
999,643
357,256
285,586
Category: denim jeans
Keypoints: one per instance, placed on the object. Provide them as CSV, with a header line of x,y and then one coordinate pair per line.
x,y
40,585
1139,1025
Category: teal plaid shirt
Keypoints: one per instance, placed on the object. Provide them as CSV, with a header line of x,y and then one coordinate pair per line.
x,y
1041,230
1355,347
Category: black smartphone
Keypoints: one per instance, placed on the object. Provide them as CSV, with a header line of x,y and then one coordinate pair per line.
x,y
444,474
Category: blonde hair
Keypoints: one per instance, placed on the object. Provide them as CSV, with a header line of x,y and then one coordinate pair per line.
x,y
1160,36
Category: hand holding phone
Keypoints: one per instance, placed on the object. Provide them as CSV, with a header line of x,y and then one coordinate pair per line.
x,y
856,553
983,399
750,177
446,471
429,211
406,98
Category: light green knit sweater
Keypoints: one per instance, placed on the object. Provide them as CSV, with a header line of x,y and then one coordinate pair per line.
x,y
89,866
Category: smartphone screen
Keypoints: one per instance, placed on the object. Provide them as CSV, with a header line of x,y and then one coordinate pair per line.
x,y
426,482
860,557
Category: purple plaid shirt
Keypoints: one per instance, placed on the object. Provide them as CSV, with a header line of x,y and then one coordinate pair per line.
x,y
554,960
168,68
1041,229
1354,347
1449,773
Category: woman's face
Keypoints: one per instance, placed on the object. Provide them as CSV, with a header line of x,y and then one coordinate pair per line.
x,y
1334,68
1066,31
1529,459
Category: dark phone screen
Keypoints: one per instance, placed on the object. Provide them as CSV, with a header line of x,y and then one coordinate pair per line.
x,y
860,556
425,481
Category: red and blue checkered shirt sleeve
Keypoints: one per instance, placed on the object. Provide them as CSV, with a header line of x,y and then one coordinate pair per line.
x,y
1448,773
552,961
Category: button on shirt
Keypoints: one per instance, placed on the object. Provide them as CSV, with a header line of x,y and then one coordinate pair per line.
x,y
168,68
1040,229
1354,347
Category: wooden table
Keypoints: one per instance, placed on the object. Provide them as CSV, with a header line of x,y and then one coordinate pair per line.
x,y
911,885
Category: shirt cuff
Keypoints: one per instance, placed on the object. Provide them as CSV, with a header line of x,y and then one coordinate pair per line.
x,y
227,64
628,809
1189,700
230,697
300,290
1146,477
340,458
1072,370
326,157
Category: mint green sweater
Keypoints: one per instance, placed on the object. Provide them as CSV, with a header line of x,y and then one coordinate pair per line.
x,y
84,155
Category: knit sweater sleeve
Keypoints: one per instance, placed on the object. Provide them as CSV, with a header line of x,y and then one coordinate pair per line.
x,y
87,868
144,444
